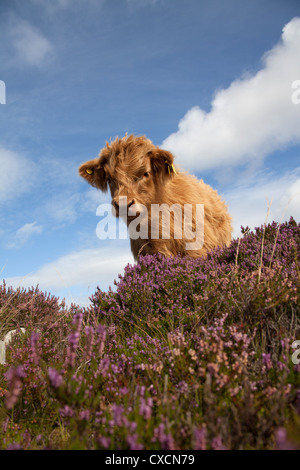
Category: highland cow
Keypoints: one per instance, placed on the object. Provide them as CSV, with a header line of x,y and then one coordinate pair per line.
x,y
142,177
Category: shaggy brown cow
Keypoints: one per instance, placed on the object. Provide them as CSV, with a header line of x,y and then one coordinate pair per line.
x,y
141,178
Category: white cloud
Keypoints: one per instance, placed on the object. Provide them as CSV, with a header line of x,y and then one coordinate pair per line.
x,y
62,207
77,274
140,3
55,6
66,206
32,47
250,119
16,174
248,201
23,234
92,198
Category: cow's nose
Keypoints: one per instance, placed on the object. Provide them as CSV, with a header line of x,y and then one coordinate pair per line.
x,y
123,202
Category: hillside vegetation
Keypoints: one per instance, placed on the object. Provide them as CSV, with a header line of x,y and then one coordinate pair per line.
x,y
184,354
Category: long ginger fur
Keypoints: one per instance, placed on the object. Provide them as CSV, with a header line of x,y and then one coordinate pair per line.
x,y
134,167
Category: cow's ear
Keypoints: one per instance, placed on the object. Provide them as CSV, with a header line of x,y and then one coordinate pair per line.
x,y
93,172
162,162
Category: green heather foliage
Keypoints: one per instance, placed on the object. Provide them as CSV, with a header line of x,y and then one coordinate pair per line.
x,y
185,354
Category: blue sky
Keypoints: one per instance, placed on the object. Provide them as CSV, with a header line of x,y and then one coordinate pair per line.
x,y
210,81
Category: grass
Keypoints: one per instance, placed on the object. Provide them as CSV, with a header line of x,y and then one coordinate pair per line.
x,y
185,354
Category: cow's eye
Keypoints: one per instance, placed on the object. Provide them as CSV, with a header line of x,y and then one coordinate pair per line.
x,y
146,174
